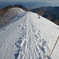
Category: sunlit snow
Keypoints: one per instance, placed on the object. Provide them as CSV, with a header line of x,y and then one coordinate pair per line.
x,y
30,37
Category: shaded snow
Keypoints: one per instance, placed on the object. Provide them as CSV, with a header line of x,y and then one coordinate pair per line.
x,y
30,37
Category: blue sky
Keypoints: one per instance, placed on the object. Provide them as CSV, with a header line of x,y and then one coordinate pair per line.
x,y
49,1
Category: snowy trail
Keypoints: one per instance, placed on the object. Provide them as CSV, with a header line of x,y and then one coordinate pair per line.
x,y
32,46
23,39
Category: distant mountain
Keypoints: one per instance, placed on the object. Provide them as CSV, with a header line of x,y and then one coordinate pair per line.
x,y
32,5
51,13
28,5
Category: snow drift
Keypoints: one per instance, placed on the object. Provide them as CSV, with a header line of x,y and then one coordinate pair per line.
x,y
30,37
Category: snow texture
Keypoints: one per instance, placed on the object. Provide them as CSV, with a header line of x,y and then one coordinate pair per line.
x,y
30,37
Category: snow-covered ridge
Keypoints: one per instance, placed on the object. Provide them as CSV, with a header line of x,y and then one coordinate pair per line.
x,y
30,37
15,10
12,14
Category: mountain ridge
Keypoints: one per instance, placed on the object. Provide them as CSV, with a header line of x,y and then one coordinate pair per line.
x,y
8,13
29,37
51,13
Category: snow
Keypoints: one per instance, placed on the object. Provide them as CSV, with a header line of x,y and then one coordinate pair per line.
x,y
30,37
12,15
55,53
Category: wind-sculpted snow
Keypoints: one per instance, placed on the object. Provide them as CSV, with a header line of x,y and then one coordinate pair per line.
x,y
24,39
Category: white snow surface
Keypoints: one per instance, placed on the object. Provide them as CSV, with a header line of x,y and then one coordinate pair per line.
x,y
12,15
30,37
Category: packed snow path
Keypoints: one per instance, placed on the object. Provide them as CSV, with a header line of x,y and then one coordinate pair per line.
x,y
30,44
24,40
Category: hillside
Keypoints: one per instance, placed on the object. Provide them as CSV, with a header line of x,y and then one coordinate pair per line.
x,y
51,13
5,9
8,13
30,37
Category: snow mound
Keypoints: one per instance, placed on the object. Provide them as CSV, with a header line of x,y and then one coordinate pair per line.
x,y
28,38
15,11
12,15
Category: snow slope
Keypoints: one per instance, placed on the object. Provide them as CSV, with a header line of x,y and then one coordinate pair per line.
x,y
11,15
30,37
